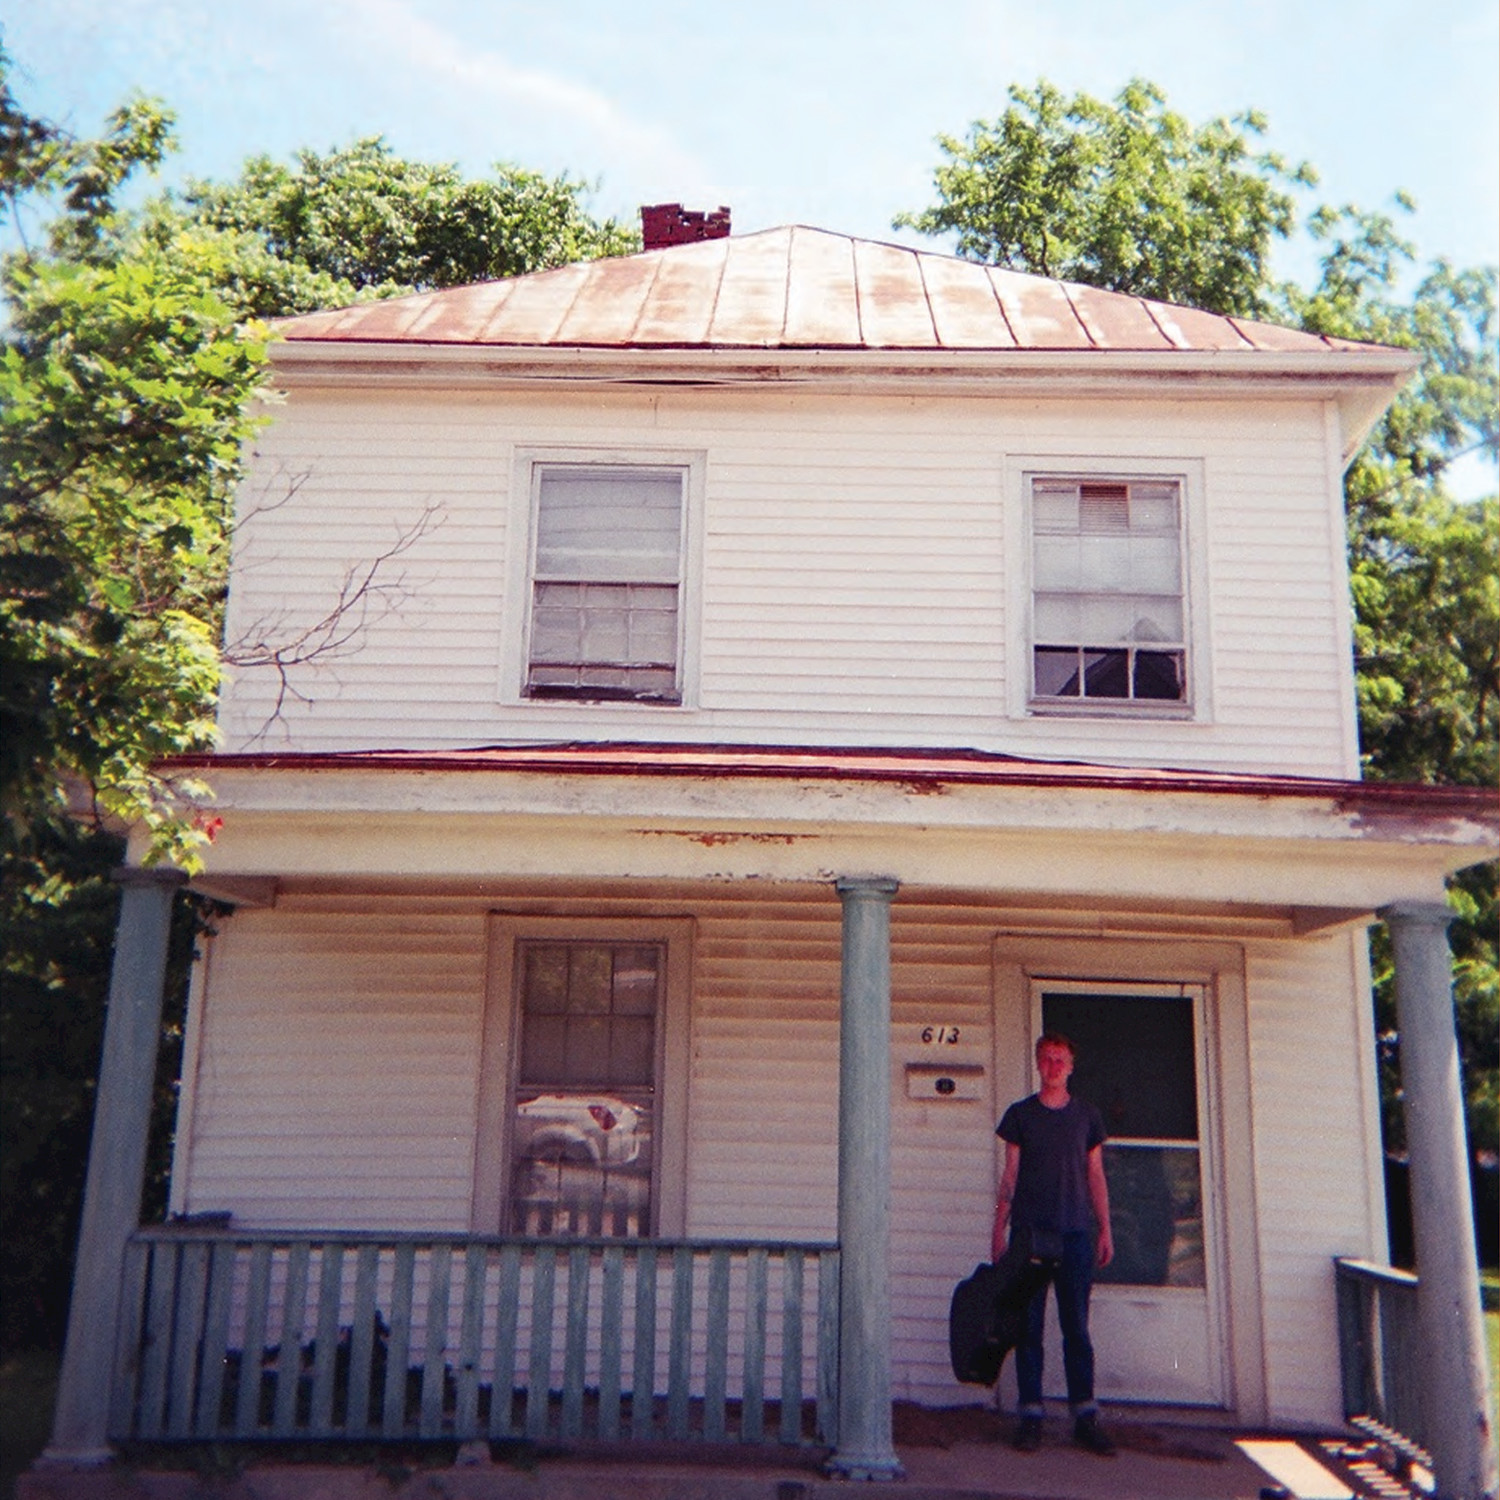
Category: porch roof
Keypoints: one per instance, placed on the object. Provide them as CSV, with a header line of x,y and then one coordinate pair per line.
x,y
906,767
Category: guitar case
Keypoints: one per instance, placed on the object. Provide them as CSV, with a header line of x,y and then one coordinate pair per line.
x,y
987,1314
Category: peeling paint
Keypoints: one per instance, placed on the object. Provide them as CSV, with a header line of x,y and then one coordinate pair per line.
x,y
716,839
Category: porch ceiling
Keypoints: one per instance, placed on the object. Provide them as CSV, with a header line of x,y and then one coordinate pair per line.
x,y
1007,828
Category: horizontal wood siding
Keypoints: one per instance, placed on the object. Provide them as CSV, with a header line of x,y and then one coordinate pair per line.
x,y
336,1087
337,1073
856,559
1312,1151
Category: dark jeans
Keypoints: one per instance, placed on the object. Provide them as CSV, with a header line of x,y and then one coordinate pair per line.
x,y
1073,1281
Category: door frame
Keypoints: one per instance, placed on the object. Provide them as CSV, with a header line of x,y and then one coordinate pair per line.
x,y
1231,1227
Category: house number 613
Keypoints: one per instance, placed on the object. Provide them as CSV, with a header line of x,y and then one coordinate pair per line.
x,y
935,1036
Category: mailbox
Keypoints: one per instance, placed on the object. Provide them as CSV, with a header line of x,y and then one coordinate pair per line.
x,y
954,1080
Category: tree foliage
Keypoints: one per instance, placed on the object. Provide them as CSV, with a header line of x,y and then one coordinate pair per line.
x,y
1125,195
362,221
129,353
124,381
1130,197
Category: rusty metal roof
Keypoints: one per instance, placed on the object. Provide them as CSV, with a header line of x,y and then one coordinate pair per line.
x,y
794,288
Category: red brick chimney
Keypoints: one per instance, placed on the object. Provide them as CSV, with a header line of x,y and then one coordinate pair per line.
x,y
664,224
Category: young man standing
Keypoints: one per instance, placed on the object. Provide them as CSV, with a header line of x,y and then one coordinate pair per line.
x,y
1053,1182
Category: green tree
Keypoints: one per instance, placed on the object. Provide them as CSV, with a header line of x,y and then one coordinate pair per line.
x,y
124,382
1125,195
129,352
1130,197
361,221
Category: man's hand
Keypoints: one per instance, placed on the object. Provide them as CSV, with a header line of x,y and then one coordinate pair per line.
x,y
1106,1248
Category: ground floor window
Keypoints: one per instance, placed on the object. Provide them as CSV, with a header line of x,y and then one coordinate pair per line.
x,y
582,1098
583,1125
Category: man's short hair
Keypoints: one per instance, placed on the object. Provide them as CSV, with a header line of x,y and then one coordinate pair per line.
x,y
1055,1039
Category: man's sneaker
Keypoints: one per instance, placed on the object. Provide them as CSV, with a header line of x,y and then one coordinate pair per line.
x,y
1028,1436
1087,1433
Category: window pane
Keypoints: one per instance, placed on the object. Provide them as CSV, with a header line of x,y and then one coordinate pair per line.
x,y
1153,507
545,983
1158,674
544,1045
1058,617
606,636
632,1055
581,1164
1154,567
1104,562
589,978
609,524
1106,674
586,1059
1156,1214
1055,507
1106,620
1058,563
1155,620
635,983
1056,672
1136,1059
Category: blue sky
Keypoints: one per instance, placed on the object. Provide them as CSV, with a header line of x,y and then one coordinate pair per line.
x,y
819,112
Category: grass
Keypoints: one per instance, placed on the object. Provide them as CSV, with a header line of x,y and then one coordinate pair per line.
x,y
1489,1291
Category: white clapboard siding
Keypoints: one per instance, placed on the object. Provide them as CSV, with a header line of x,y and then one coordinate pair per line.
x,y
335,1086
859,562
1313,1203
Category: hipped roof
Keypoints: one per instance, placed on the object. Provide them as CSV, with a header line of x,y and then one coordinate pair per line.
x,y
797,288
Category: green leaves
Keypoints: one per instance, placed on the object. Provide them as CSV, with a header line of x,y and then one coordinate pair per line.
x,y
1125,195
361,221
124,381
1129,196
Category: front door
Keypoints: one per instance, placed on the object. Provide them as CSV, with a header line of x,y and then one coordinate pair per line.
x,y
1156,1323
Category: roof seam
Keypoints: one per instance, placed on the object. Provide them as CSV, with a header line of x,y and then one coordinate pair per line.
x,y
1161,327
932,317
989,277
640,316
1082,322
1239,332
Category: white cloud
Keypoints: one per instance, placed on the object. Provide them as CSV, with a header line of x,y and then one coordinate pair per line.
x,y
482,81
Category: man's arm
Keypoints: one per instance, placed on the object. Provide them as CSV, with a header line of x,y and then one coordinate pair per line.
x,y
999,1235
1099,1199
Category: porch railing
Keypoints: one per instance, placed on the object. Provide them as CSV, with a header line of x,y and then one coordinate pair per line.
x,y
354,1336
1378,1341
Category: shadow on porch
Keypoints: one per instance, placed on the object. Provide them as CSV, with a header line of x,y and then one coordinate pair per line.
x,y
958,1453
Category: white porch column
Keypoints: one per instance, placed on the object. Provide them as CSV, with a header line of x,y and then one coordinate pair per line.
x,y
117,1163
1452,1365
865,1448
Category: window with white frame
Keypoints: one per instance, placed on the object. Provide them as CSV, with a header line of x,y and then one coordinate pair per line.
x,y
1108,606
606,586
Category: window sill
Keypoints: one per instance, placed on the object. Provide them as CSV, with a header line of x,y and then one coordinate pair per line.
x,y
1106,708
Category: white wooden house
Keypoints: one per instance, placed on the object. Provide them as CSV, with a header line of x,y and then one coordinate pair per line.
x,y
811,666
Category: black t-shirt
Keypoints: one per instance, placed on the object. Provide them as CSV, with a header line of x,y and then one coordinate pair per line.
x,y
1052,1188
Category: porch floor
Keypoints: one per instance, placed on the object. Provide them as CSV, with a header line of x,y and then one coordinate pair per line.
x,y
958,1454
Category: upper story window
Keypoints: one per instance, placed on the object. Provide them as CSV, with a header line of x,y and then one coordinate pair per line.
x,y
1108,607
606,584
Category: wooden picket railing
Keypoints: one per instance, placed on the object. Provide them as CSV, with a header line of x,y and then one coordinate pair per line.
x,y
1379,1336
367,1336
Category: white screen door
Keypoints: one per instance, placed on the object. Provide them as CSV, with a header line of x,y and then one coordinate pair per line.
x,y
1141,1059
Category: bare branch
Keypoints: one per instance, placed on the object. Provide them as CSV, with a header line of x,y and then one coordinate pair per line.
x,y
368,593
